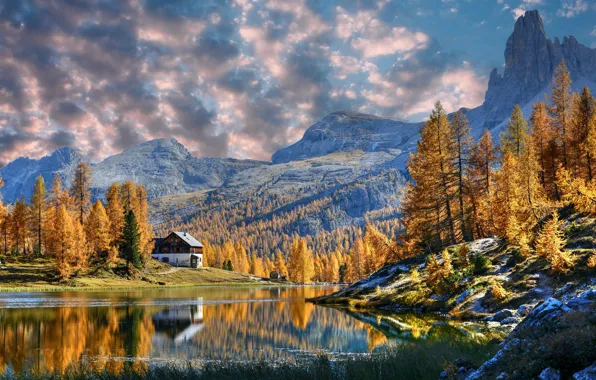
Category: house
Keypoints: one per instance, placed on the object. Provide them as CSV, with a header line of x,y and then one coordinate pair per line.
x,y
179,249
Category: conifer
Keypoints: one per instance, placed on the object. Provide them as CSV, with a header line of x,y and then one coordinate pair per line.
x,y
39,206
550,243
80,191
130,241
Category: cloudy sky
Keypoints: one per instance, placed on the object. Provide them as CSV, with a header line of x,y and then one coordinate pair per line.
x,y
242,78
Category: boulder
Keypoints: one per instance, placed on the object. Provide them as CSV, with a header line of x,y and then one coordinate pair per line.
x,y
511,320
502,314
587,374
550,374
524,310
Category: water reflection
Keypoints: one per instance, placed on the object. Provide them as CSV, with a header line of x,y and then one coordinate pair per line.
x,y
135,328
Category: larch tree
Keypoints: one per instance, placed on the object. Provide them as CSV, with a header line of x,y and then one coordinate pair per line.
x,y
428,202
39,203
515,138
129,197
540,136
97,231
460,130
4,222
280,264
561,108
481,171
243,263
58,195
115,213
80,191
19,222
550,243
65,243
301,264
145,229
584,125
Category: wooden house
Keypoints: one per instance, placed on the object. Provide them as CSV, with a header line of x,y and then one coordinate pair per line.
x,y
179,249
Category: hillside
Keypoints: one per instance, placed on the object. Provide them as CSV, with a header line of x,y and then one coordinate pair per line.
x,y
551,314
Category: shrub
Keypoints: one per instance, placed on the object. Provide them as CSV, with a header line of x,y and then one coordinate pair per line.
x,y
481,265
497,290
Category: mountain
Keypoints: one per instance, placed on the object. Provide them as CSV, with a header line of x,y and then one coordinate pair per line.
x,y
530,61
166,167
347,131
163,166
20,175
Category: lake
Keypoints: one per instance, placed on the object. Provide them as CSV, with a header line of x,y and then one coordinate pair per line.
x,y
50,331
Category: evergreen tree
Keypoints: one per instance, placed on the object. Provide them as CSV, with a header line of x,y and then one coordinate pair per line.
x,y
584,125
130,241
65,243
481,171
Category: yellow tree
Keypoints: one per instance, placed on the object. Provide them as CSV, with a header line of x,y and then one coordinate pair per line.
x,y
540,136
461,142
65,244
129,197
58,195
584,127
481,171
280,264
515,139
561,108
145,229
80,191
427,206
97,231
301,264
115,213
19,225
332,270
550,243
4,222
243,265
38,209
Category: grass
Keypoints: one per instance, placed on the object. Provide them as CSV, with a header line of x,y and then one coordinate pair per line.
x,y
422,360
39,275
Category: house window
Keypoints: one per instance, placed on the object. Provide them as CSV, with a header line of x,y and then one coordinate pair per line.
x,y
165,249
165,259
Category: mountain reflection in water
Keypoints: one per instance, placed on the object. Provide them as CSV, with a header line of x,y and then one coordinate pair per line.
x,y
187,324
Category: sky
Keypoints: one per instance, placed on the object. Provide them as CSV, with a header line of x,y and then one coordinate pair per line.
x,y
242,78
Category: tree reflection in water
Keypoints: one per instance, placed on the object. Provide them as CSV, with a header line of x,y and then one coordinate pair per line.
x,y
191,324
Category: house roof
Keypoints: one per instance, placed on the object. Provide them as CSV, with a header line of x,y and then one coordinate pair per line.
x,y
188,239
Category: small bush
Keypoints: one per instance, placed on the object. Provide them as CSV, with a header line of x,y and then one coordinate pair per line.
x,y
498,291
482,265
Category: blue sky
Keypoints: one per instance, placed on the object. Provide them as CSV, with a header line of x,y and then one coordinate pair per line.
x,y
243,78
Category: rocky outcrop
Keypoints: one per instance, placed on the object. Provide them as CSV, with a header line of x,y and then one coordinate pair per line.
x,y
530,61
348,131
555,340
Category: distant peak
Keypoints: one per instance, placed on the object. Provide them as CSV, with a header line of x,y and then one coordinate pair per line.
x,y
351,114
530,22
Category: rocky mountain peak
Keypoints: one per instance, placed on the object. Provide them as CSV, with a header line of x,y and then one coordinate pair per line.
x,y
530,61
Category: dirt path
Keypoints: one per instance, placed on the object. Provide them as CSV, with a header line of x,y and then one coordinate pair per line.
x,y
169,271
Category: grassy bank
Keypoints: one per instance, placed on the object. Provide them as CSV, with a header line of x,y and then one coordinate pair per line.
x,y
39,275
423,360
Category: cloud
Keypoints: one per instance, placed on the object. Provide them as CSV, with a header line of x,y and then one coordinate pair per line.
x,y
372,37
571,8
226,78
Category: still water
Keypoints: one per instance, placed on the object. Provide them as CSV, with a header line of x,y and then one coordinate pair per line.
x,y
50,331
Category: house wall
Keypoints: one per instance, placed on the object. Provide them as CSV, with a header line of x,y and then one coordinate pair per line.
x,y
177,259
